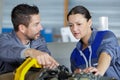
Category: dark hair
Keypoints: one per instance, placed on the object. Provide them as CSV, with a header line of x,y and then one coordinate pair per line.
x,y
21,14
79,10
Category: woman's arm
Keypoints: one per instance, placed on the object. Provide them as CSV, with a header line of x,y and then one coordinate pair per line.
x,y
103,62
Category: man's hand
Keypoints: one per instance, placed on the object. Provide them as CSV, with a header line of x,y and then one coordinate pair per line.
x,y
43,58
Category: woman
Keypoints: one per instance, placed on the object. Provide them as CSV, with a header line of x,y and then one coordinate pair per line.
x,y
96,51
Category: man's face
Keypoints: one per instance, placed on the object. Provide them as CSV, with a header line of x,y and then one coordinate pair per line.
x,y
34,28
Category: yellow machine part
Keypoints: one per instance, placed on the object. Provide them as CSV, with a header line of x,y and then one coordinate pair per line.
x,y
23,69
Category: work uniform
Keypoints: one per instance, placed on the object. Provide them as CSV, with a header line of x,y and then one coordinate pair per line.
x,y
12,51
100,41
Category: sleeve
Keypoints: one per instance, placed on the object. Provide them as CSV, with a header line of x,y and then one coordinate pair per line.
x,y
22,53
41,45
10,51
109,44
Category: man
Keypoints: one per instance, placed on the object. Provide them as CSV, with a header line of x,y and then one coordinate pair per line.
x,y
24,41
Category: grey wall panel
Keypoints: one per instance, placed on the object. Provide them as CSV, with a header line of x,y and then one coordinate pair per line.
x,y
98,8
51,11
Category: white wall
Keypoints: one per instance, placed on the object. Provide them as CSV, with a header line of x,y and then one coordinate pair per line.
x,y
51,11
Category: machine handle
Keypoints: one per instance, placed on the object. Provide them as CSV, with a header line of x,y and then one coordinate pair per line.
x,y
23,69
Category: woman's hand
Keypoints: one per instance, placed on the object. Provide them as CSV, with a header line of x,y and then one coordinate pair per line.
x,y
78,70
92,70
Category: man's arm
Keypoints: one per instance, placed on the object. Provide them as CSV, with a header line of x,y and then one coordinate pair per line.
x,y
43,58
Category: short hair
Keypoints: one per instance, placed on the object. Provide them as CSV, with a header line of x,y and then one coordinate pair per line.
x,y
21,14
80,10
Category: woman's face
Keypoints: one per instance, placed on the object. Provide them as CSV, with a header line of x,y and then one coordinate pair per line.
x,y
79,25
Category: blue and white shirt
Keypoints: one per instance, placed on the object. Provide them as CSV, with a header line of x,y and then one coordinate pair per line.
x,y
100,41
